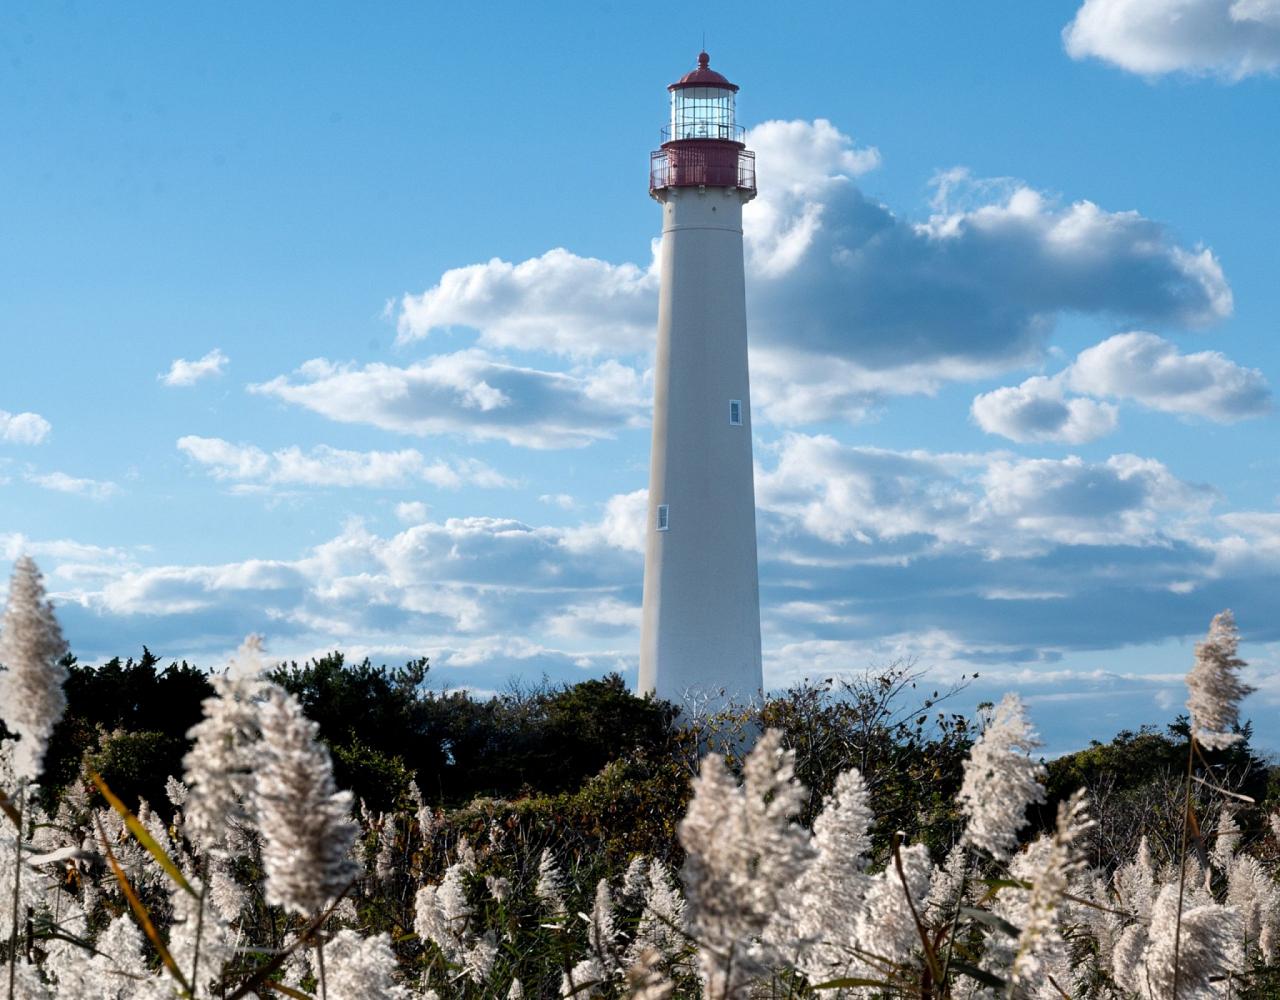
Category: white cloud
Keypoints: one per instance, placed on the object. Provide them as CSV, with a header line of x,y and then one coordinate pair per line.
x,y
1037,410
604,617
413,512
1134,367
183,372
562,500
902,505
621,527
334,467
973,290
1149,370
60,482
23,428
955,559
474,396
847,301
1229,38
559,302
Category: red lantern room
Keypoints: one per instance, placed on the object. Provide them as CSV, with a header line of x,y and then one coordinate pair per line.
x,y
702,146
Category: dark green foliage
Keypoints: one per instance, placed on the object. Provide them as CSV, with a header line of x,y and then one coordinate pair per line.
x,y
127,700
135,765
1136,784
383,724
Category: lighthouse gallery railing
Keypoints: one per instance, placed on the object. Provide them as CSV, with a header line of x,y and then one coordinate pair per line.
x,y
695,166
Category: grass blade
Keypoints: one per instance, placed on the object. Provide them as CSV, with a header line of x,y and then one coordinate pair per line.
x,y
142,834
140,913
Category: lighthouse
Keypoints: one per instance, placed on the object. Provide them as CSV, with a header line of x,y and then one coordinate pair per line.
x,y
700,635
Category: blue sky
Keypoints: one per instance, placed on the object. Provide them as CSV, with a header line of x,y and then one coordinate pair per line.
x,y
1012,304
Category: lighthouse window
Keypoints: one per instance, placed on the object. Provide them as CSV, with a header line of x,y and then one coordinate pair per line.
x,y
702,113
664,517
735,412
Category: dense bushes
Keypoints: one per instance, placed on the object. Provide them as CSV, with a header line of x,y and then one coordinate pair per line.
x,y
591,753
384,727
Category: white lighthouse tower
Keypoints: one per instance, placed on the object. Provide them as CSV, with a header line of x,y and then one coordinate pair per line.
x,y
700,636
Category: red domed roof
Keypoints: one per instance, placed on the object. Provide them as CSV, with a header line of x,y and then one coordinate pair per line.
x,y
703,76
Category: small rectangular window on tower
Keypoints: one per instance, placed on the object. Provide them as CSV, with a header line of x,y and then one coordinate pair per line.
x,y
735,412
664,517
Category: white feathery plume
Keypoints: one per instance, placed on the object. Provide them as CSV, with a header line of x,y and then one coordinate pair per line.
x,y
1208,950
479,956
945,891
1014,906
209,933
306,825
550,885
1226,839
297,967
442,912
662,921
743,858
175,791
1256,898
31,650
422,813
28,985
465,855
602,931
360,968
1040,928
499,887
585,981
884,927
218,769
384,865
227,895
636,878
1135,883
1001,780
824,910
113,973
443,915
1215,687
30,890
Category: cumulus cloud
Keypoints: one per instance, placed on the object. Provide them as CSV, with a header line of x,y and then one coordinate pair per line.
x,y
334,467
413,512
60,482
1229,38
898,505
183,372
956,559
474,396
1037,410
847,301
1151,371
1134,367
559,302
974,288
23,428
457,584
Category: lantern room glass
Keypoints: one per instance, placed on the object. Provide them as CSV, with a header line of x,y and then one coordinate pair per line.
x,y
702,113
